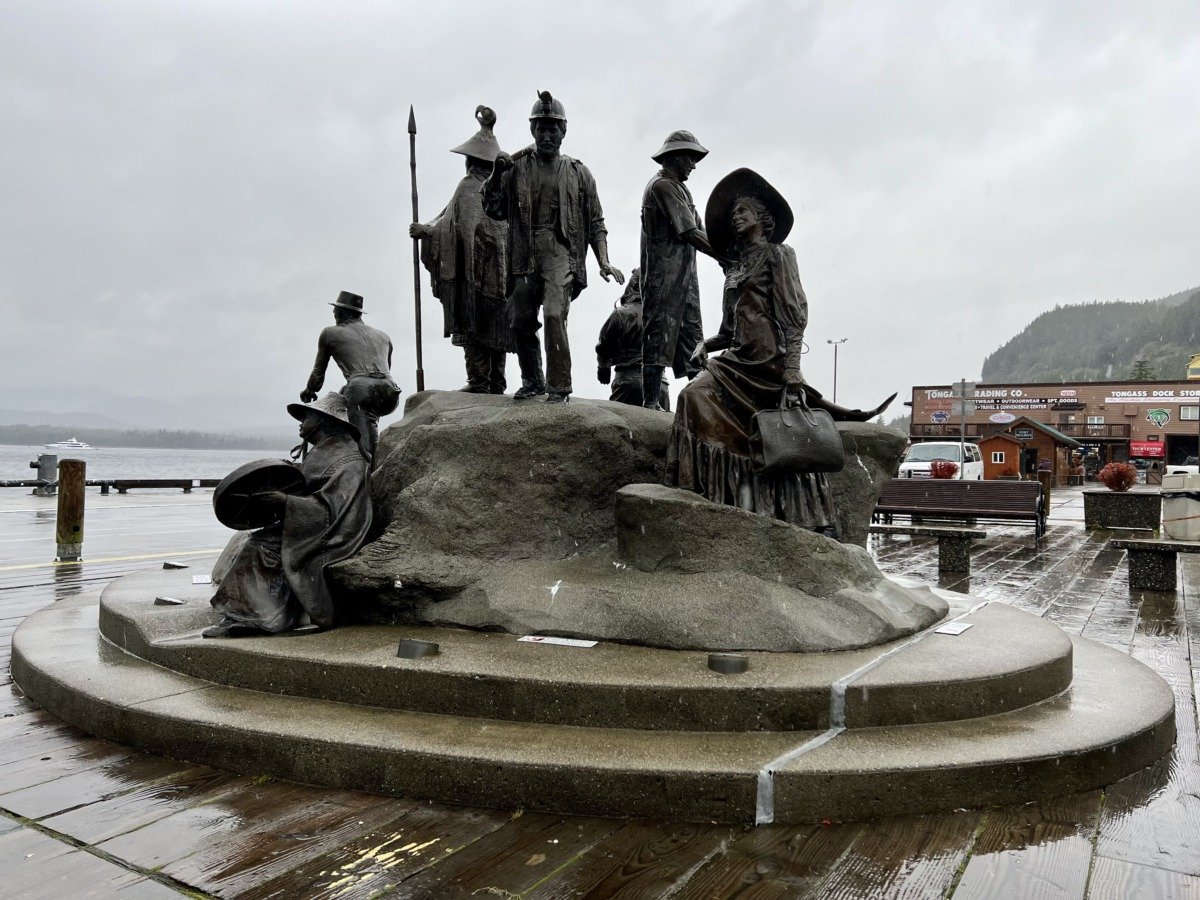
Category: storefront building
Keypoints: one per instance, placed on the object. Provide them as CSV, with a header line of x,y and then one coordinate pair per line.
x,y
1113,421
1025,447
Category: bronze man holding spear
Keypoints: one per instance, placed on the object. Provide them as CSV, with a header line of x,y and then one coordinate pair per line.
x,y
554,215
465,252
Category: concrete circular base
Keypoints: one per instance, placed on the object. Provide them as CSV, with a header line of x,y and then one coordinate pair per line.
x,y
1011,710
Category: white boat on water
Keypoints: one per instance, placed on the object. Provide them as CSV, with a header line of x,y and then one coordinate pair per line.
x,y
72,444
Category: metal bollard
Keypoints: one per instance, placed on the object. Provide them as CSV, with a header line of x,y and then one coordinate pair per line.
x,y
47,473
68,532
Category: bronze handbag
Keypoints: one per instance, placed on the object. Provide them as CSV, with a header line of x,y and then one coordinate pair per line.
x,y
793,440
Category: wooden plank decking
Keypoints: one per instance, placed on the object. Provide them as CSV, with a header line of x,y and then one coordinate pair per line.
x,y
82,817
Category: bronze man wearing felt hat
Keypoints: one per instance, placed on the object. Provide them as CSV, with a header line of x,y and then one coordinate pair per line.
x,y
554,215
276,581
764,315
466,254
671,235
364,354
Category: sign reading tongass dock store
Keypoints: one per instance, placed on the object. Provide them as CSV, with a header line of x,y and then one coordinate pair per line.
x,y
1117,420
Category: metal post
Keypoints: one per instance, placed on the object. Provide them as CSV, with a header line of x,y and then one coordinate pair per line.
x,y
835,350
412,167
68,531
962,431
47,473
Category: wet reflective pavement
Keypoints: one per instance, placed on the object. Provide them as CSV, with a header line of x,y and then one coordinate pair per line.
x,y
82,817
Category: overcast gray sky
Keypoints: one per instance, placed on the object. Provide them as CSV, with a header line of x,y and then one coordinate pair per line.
x,y
187,184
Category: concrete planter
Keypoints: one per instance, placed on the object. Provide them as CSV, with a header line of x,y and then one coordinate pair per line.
x,y
1110,509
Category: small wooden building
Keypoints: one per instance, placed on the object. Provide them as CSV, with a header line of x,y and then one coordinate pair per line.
x,y
1001,456
1025,446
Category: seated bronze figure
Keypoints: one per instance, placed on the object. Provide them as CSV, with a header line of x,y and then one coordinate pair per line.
x,y
277,580
764,314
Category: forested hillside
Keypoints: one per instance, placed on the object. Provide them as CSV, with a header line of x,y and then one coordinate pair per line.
x,y
1103,341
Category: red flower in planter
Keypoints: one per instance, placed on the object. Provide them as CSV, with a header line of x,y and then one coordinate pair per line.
x,y
1118,476
943,468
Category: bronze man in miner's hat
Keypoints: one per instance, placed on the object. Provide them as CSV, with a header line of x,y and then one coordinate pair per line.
x,y
364,354
554,215
466,253
671,235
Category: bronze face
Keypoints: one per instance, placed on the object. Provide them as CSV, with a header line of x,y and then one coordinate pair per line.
x,y
310,426
746,222
548,135
681,164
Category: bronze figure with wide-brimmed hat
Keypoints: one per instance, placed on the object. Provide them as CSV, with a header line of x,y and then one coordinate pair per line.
x,y
306,517
364,354
671,234
680,142
765,313
482,145
738,184
331,408
466,254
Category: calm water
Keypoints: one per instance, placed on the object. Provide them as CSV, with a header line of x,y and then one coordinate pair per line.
x,y
135,462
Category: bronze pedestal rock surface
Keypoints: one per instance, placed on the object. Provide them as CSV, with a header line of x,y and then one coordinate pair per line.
x,y
538,519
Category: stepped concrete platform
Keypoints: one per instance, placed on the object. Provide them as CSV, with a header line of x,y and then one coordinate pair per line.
x,y
637,732
492,675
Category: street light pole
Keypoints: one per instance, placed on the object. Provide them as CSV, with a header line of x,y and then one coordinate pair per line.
x,y
835,349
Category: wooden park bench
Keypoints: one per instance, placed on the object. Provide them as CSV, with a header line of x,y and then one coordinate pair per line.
x,y
954,544
947,499
1152,561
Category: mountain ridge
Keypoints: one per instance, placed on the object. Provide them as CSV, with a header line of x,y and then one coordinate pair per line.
x,y
1103,340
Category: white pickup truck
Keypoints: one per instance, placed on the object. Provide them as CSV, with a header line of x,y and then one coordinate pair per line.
x,y
1190,466
920,457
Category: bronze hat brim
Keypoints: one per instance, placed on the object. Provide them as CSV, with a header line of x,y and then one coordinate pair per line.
x,y
479,147
676,146
739,183
357,309
300,411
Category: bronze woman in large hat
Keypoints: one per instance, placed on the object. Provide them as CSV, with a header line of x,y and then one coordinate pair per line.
x,y
764,314
466,254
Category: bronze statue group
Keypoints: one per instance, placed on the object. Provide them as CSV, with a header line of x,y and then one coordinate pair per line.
x,y
513,241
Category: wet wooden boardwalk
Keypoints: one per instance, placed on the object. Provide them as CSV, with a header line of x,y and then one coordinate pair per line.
x,y
81,817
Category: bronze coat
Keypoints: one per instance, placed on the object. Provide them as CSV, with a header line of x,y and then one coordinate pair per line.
x,y
467,259
669,279
580,216
327,523
762,332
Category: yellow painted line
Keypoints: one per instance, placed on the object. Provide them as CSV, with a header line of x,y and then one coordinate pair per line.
x,y
103,559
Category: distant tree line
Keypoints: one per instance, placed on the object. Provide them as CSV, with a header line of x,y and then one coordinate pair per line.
x,y
1102,342
161,438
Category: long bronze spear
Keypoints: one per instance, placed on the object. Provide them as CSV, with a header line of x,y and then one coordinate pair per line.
x,y
412,165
